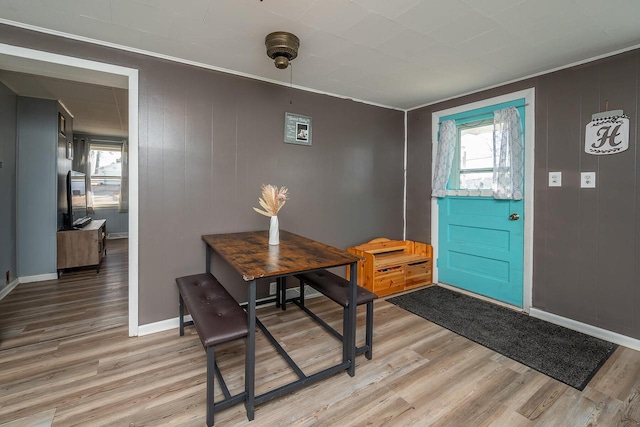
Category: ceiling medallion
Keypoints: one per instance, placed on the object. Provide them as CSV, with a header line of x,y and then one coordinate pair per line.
x,y
282,47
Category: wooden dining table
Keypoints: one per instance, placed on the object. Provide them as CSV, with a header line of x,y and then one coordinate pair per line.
x,y
250,254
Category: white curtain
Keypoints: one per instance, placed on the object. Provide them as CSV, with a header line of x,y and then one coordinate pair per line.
x,y
82,163
508,155
123,204
444,157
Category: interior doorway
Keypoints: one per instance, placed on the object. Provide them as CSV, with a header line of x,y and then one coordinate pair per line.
x,y
74,69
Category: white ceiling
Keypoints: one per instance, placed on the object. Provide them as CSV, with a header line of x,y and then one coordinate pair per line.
x,y
97,109
397,53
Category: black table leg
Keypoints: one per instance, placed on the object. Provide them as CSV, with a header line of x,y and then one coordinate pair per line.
x,y
250,356
208,259
350,333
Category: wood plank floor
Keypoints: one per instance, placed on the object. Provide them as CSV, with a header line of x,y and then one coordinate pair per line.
x,y
65,359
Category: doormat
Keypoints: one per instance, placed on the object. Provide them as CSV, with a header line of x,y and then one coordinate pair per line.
x,y
564,354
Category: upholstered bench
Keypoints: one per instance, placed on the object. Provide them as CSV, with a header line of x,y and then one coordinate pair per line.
x,y
218,319
336,288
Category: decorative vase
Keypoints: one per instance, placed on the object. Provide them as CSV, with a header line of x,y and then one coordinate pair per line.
x,y
274,231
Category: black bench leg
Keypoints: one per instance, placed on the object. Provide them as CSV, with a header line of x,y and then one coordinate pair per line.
x,y
301,293
369,334
250,356
210,374
278,290
345,333
181,315
283,293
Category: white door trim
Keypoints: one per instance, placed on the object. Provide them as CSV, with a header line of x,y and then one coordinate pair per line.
x,y
132,76
529,131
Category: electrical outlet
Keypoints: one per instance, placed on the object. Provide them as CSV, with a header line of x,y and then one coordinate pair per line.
x,y
8,276
273,288
555,179
587,179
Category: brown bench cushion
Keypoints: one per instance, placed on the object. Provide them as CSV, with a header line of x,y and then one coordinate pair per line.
x,y
216,314
335,287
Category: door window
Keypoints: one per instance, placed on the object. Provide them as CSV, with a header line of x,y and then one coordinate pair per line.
x,y
472,168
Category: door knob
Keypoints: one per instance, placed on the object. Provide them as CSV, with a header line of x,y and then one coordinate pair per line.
x,y
514,217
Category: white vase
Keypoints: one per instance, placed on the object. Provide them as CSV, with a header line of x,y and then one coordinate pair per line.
x,y
274,231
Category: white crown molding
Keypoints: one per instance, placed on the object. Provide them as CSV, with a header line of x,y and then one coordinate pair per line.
x,y
185,61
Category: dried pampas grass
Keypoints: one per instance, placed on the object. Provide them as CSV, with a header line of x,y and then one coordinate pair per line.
x,y
272,200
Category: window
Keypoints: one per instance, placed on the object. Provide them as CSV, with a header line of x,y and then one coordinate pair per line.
x,y
473,159
472,164
106,173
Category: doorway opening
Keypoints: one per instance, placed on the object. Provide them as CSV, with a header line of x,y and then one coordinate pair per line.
x,y
74,69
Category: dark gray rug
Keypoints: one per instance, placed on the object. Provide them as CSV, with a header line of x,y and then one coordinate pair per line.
x,y
566,355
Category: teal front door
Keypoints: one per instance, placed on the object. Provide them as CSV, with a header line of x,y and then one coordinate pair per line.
x,y
480,239
481,246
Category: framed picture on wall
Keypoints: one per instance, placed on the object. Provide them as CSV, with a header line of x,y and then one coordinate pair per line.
x,y
297,129
61,124
69,150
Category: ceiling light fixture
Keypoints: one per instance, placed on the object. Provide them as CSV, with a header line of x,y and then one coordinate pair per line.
x,y
282,47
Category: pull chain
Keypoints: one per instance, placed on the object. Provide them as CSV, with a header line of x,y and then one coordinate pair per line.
x,y
291,80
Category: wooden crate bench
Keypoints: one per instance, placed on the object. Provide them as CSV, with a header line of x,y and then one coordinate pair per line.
x,y
392,266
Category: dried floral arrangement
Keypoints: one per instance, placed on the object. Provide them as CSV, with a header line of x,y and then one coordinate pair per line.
x,y
272,200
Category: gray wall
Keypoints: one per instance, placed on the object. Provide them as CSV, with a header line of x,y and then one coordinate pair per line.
x,y
207,143
117,222
8,105
208,140
586,241
37,144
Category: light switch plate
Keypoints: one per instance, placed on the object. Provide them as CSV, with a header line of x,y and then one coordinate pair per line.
x,y
555,179
587,180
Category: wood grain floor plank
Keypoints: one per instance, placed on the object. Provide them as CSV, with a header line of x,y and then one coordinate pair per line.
x,y
543,399
39,419
66,359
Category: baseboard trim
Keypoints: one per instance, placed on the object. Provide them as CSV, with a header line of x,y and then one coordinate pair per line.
x,y
38,278
161,326
586,329
174,323
5,291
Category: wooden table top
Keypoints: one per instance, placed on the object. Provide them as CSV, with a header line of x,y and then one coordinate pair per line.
x,y
252,256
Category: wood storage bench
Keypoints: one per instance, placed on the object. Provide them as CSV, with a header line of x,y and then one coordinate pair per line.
x,y
392,266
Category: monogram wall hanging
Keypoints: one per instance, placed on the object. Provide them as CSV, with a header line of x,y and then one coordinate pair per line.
x,y
607,133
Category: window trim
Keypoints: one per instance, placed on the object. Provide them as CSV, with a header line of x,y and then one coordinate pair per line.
x,y
104,145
